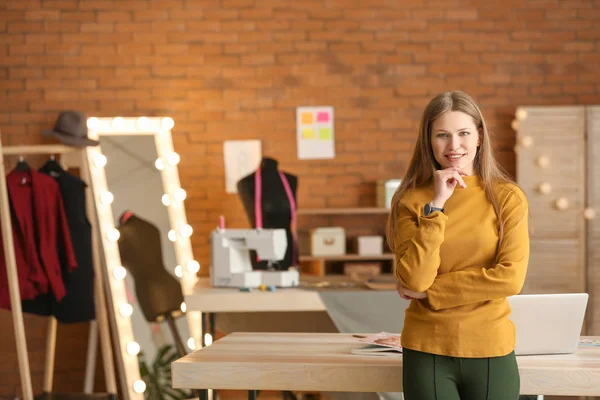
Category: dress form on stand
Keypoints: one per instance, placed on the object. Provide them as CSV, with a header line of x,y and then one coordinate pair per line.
x,y
158,292
275,207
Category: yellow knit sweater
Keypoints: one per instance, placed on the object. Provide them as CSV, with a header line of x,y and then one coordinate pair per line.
x,y
456,258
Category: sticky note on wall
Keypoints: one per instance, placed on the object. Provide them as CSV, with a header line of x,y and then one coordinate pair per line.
x,y
323,116
308,133
325,133
307,118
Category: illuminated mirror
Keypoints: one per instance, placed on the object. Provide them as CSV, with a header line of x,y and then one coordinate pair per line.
x,y
147,255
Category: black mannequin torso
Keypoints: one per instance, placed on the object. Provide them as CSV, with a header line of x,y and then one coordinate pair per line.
x,y
157,291
276,211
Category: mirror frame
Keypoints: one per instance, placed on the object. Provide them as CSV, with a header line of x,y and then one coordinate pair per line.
x,y
113,271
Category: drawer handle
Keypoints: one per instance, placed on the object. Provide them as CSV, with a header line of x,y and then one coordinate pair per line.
x,y
589,213
328,241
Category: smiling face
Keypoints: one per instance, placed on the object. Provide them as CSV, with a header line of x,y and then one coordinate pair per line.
x,y
454,140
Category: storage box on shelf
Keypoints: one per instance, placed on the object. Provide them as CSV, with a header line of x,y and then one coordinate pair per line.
x,y
324,251
327,242
370,245
385,191
362,271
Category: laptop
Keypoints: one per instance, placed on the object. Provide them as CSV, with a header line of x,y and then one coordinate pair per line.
x,y
548,323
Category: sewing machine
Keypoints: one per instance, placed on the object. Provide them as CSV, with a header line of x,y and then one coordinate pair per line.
x,y
230,258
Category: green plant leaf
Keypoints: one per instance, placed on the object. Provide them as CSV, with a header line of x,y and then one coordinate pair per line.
x,y
174,394
158,377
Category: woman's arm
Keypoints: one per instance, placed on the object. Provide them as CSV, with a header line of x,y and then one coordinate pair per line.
x,y
417,247
506,278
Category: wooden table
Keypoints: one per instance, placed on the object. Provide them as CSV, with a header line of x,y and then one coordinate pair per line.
x,y
322,362
208,299
212,300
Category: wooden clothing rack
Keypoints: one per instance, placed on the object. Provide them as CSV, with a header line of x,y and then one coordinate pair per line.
x,y
101,322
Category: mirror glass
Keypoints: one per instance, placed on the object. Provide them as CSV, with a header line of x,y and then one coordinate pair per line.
x,y
137,187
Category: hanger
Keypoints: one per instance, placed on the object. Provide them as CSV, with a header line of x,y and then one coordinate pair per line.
x,y
22,165
52,167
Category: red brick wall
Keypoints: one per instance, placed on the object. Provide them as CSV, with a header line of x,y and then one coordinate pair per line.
x,y
236,69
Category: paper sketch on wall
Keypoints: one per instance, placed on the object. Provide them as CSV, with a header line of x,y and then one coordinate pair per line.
x,y
241,159
314,132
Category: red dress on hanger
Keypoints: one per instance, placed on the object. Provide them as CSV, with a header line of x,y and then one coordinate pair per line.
x,y
39,224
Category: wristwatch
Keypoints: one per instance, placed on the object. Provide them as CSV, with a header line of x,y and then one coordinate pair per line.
x,y
428,209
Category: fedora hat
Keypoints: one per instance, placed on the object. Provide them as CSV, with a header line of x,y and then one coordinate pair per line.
x,y
71,129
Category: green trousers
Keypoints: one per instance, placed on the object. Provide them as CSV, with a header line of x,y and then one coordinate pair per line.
x,y
432,377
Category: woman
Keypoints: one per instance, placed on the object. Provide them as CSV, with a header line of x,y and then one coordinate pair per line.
x,y
459,229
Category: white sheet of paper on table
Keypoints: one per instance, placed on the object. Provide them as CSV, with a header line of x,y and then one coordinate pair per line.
x,y
241,157
589,342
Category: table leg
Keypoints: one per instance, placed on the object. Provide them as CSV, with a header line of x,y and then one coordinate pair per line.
x,y
203,333
252,394
287,394
211,323
213,327
208,326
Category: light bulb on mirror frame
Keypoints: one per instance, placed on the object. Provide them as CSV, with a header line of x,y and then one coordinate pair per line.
x,y
186,230
100,160
133,348
118,123
126,310
179,194
106,197
183,307
193,266
167,123
119,273
113,235
172,235
208,339
173,158
143,123
139,386
159,164
191,344
92,123
179,271
165,200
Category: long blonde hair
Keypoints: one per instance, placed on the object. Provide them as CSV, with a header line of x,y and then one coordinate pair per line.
x,y
423,164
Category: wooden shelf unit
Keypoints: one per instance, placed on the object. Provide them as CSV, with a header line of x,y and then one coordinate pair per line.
x,y
323,265
343,211
348,257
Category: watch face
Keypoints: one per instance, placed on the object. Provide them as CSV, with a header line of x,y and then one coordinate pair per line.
x,y
427,209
